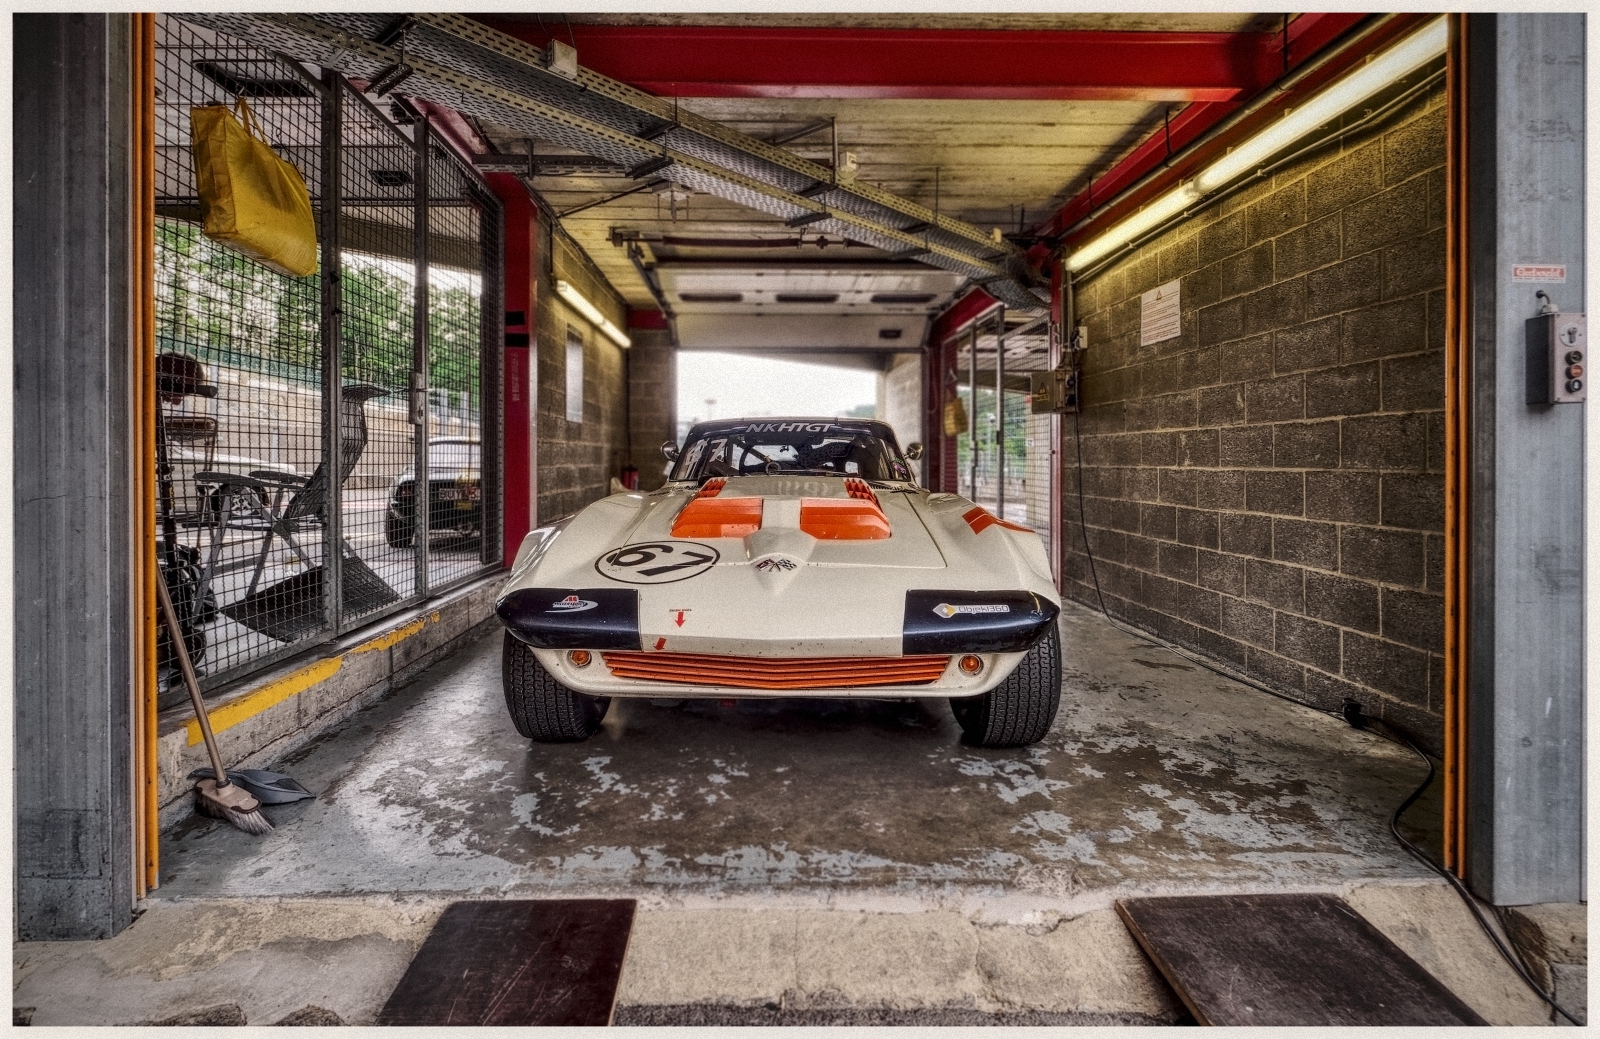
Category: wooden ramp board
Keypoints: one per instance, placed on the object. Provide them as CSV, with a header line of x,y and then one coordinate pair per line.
x,y
552,962
1286,960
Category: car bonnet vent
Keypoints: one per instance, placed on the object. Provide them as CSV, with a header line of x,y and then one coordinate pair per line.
x,y
711,297
902,298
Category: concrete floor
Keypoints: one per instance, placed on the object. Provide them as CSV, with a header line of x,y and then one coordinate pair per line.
x,y
1158,776
809,858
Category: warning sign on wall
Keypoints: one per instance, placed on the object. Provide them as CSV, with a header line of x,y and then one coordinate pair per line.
x,y
1158,314
1539,272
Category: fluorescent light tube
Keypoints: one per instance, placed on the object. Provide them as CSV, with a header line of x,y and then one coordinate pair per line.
x,y
592,314
1399,60
1157,212
1404,57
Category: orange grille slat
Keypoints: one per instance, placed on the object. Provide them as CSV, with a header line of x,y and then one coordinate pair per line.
x,y
776,672
843,519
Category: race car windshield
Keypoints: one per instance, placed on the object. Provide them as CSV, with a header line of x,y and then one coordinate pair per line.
x,y
817,449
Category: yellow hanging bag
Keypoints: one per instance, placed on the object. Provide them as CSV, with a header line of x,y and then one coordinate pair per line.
x,y
250,198
955,417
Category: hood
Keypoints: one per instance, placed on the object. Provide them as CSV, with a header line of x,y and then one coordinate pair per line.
x,y
824,521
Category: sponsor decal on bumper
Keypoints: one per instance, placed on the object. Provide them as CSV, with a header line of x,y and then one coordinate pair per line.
x,y
572,618
945,621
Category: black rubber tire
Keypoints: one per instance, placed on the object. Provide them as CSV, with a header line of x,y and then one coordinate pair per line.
x,y
1019,711
543,709
398,532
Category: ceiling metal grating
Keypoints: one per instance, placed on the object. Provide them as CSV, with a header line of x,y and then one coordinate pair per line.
x,y
467,66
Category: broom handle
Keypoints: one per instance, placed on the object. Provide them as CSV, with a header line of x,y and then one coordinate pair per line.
x,y
170,615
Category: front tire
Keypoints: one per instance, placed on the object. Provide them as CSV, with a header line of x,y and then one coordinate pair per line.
x,y
1019,711
543,709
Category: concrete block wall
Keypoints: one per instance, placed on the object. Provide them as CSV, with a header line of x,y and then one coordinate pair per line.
x,y
578,459
652,401
1267,488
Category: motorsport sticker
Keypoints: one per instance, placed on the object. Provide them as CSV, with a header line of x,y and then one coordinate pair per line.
x,y
657,562
572,604
773,564
947,611
794,427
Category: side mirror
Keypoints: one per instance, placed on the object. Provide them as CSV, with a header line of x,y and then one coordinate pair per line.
x,y
913,452
669,451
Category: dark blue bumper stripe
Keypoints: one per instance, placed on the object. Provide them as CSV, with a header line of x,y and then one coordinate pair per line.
x,y
572,618
944,621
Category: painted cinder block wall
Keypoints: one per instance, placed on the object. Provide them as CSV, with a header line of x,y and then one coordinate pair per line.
x,y
1267,488
652,401
578,459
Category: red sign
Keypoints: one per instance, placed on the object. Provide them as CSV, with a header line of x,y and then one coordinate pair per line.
x,y
1539,272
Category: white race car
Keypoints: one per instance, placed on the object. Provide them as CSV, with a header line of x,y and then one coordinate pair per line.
x,y
784,557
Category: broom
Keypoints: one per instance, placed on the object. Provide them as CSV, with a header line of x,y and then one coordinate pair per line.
x,y
224,799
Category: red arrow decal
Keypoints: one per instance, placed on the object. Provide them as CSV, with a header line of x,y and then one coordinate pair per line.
x,y
680,618
660,643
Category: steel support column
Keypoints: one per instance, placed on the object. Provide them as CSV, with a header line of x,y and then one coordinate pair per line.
x,y
1525,553
73,475
521,301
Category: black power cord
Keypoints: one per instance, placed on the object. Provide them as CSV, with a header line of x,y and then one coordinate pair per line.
x,y
1350,712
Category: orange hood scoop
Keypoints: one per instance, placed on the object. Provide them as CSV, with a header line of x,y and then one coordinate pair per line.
x,y
707,516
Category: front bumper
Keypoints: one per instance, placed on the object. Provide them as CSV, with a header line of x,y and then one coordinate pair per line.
x,y
997,626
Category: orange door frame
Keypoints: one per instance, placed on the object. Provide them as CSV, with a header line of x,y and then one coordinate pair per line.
x,y
146,810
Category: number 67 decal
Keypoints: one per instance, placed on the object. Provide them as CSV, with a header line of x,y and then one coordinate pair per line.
x,y
657,562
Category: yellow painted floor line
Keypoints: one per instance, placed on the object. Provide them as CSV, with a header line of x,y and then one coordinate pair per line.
x,y
297,682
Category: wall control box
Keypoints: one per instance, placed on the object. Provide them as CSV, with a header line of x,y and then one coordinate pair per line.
x,y
1558,359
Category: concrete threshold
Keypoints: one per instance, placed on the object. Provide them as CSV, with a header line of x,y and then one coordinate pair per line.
x,y
260,719
335,960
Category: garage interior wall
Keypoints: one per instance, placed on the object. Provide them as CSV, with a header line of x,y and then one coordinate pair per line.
x,y
577,459
1266,489
900,400
652,402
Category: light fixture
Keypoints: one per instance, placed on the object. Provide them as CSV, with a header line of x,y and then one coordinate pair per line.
x,y
1383,69
592,314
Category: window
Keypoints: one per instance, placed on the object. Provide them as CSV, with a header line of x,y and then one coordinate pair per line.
x,y
574,375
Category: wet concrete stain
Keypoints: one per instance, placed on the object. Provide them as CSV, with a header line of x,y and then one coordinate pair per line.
x,y
1156,776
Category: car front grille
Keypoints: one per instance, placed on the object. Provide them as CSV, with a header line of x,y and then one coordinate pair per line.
x,y
776,672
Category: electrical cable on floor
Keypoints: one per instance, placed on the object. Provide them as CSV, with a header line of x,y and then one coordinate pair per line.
x,y
1350,713
1455,882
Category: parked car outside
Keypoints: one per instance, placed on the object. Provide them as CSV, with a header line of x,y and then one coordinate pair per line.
x,y
455,494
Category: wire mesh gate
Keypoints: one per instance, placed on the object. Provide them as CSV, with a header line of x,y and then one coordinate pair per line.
x,y
327,445
995,451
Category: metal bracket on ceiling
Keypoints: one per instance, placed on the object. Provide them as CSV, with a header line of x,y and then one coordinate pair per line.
x,y
395,30
512,162
649,166
658,130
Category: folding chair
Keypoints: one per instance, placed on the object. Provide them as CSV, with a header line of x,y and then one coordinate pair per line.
x,y
282,505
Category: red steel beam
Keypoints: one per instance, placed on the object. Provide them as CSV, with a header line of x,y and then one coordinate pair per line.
x,y
738,61
1307,35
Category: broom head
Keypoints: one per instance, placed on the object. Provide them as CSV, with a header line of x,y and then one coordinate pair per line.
x,y
231,803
